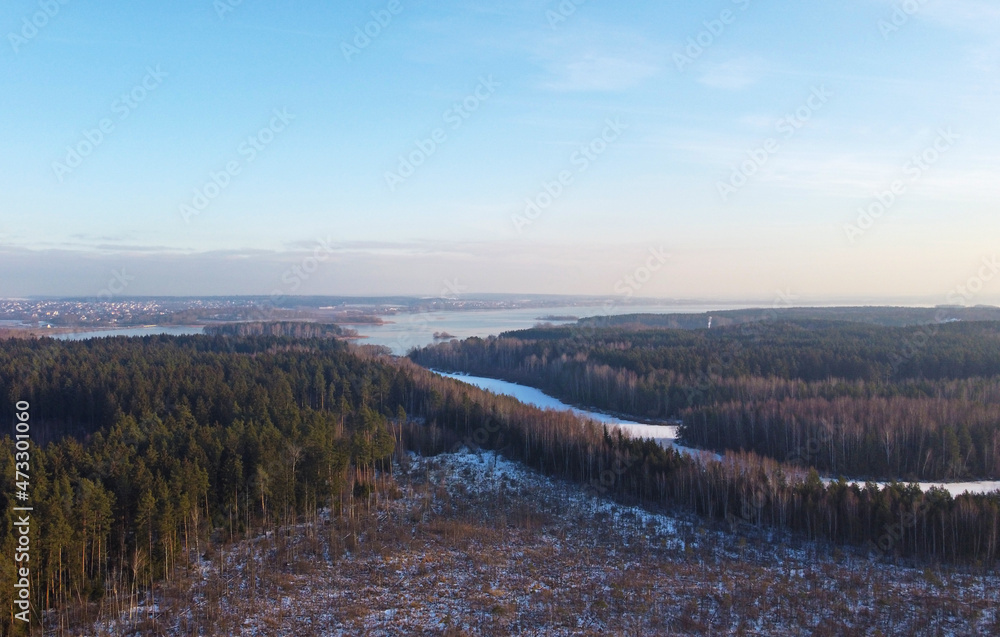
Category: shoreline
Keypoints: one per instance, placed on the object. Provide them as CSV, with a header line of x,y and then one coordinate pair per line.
x,y
954,488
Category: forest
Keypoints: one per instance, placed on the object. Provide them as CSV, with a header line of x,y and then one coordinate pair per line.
x,y
873,315
909,403
297,329
149,450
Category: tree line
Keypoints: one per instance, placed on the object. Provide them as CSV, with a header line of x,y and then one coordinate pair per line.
x,y
897,409
159,446
151,447
743,488
297,329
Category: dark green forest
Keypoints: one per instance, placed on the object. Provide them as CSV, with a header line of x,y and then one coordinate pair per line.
x,y
918,402
149,450
872,315
298,329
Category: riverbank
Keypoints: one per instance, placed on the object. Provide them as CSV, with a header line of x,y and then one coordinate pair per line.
x,y
667,434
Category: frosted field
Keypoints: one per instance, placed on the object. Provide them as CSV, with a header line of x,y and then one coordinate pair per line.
x,y
474,544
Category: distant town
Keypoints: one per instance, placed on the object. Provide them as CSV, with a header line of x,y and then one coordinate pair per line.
x,y
75,314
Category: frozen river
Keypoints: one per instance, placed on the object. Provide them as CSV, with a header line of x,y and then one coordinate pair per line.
x,y
665,435
412,332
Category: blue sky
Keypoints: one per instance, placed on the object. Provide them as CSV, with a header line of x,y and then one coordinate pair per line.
x,y
740,137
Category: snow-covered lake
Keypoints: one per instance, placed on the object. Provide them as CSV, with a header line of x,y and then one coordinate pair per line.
x,y
665,435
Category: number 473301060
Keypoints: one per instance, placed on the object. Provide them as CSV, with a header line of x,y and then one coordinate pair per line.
x,y
22,457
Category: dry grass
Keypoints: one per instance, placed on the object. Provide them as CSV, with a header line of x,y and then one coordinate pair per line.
x,y
475,553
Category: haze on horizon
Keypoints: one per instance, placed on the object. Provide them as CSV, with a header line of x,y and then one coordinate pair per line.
x,y
720,150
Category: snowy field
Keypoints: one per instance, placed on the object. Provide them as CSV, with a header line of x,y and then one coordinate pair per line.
x,y
473,544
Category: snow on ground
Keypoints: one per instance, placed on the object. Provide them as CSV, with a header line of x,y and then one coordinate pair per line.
x,y
490,472
957,488
954,488
474,544
665,435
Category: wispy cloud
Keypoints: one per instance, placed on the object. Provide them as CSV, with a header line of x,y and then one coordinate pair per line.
x,y
596,58
982,16
354,267
597,72
985,58
735,74
970,17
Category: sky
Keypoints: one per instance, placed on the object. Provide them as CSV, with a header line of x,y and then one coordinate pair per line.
x,y
734,149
